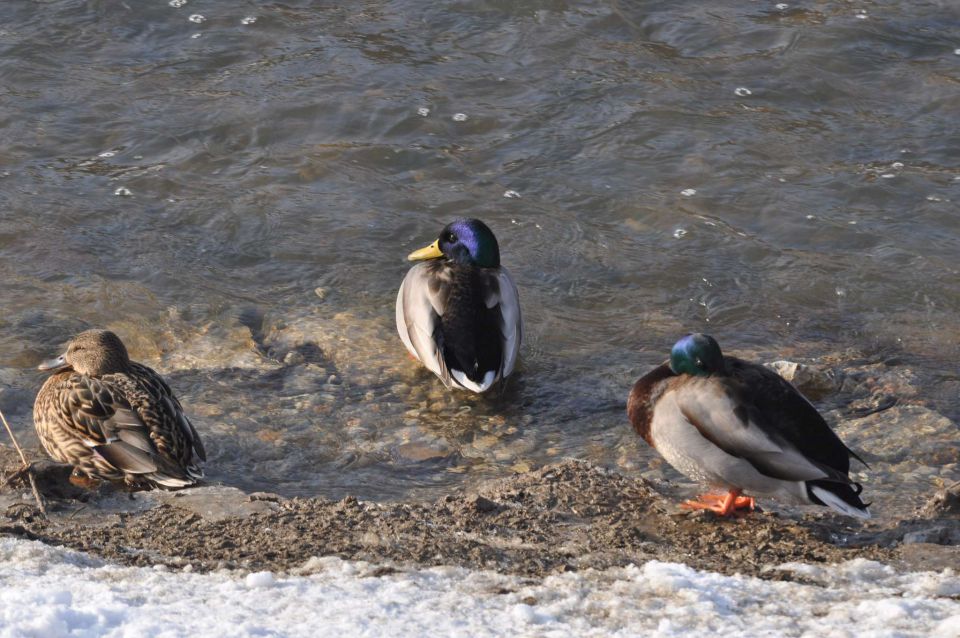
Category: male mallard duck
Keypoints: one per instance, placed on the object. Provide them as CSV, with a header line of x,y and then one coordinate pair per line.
x,y
459,312
739,426
114,419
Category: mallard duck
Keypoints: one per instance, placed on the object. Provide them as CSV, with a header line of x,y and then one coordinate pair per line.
x,y
114,419
738,426
458,313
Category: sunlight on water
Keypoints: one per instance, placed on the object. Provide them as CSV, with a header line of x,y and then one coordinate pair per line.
x,y
273,186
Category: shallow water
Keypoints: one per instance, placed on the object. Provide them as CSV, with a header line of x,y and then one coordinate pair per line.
x,y
225,192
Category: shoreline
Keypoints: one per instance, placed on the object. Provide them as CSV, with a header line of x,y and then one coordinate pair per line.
x,y
565,516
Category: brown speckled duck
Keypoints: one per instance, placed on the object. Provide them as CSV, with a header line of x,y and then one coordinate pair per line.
x,y
114,419
738,426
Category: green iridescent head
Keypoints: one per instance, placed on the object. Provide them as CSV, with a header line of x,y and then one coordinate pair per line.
x,y
697,354
464,241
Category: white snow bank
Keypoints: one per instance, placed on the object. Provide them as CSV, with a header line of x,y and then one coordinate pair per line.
x,y
48,593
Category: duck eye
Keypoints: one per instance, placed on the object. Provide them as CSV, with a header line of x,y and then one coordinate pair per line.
x,y
451,237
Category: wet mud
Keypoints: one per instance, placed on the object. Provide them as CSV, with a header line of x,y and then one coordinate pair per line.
x,y
566,516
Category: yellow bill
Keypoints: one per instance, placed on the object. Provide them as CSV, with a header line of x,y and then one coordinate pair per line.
x,y
430,252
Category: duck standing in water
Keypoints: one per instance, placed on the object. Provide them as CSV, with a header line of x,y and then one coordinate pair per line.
x,y
458,312
114,419
738,426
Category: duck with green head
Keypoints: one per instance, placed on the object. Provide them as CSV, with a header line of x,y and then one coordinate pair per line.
x,y
458,312
741,427
114,419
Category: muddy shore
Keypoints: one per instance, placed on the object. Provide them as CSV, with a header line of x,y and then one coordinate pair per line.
x,y
565,516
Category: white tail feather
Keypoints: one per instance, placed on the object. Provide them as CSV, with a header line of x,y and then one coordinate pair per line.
x,y
834,502
464,382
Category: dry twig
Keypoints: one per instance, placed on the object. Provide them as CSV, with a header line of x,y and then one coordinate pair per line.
x,y
27,467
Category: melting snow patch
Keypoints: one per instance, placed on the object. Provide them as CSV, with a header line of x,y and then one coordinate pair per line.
x,y
47,591
259,580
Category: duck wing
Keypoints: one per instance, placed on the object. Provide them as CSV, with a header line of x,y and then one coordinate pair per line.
x,y
503,296
104,421
421,302
723,410
788,414
167,413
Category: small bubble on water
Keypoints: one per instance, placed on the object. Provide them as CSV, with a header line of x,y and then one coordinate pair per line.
x,y
852,222
138,157
897,165
423,111
195,36
176,4
887,176
781,180
249,20
742,91
511,194
811,216
460,117
513,221
123,191
106,154
841,292
196,18
956,51
679,232
539,227
934,198
688,192
862,15
783,6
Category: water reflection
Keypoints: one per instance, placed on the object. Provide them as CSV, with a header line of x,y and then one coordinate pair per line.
x,y
193,194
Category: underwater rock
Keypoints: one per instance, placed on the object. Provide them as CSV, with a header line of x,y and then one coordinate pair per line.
x,y
903,432
944,504
814,383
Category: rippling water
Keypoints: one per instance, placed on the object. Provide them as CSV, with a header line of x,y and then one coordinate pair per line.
x,y
233,187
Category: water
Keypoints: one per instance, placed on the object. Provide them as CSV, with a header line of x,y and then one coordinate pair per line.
x,y
227,190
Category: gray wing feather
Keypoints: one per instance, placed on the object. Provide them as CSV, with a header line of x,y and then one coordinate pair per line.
x,y
417,314
718,418
511,321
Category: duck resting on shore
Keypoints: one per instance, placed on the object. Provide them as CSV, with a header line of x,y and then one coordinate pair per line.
x,y
458,312
114,419
738,426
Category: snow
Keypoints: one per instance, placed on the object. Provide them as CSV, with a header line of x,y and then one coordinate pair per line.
x,y
51,593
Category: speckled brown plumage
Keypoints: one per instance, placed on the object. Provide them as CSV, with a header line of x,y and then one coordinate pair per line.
x,y
115,419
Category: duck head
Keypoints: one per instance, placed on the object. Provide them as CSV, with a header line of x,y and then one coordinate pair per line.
x,y
696,354
92,353
464,241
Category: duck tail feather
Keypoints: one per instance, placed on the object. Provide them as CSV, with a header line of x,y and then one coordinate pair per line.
x,y
839,497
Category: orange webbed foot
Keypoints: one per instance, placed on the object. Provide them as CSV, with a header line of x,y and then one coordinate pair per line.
x,y
721,504
83,481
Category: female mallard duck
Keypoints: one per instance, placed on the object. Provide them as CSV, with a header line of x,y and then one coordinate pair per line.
x,y
114,419
459,312
739,426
